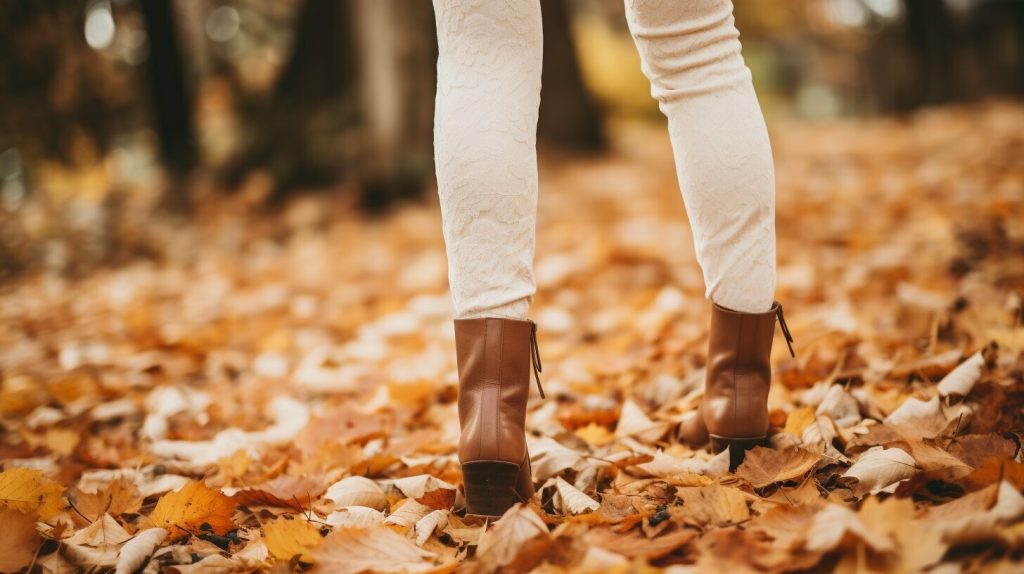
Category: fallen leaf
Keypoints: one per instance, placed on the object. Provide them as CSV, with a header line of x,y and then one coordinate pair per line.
x,y
354,516
374,548
117,497
878,469
518,540
19,541
715,505
994,470
296,492
286,538
428,490
28,491
357,491
573,500
960,381
763,466
429,524
832,524
636,545
185,511
137,551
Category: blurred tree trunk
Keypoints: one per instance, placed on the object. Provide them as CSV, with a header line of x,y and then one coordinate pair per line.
x,y
172,105
397,76
294,133
930,36
568,115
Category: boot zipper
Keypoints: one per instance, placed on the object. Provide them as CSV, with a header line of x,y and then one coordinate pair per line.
x,y
535,359
785,328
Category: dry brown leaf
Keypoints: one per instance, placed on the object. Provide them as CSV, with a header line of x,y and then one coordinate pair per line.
x,y
408,513
375,548
428,490
137,551
354,516
763,466
787,525
573,500
960,381
715,504
831,525
357,491
636,545
435,521
183,512
517,541
994,470
19,541
28,491
103,532
633,422
116,498
296,492
879,469
976,517
286,538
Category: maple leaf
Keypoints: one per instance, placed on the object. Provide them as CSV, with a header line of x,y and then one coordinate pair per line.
x,y
185,511
763,466
27,490
117,497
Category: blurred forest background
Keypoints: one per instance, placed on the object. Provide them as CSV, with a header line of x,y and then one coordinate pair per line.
x,y
112,109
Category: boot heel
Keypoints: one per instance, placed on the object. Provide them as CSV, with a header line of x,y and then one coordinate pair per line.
x,y
490,487
738,447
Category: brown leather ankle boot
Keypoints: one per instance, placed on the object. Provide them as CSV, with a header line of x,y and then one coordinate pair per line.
x,y
495,356
734,412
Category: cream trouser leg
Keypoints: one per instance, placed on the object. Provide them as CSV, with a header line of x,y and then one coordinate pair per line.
x,y
485,131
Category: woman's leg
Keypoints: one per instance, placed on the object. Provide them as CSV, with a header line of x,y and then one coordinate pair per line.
x,y
485,127
488,92
690,51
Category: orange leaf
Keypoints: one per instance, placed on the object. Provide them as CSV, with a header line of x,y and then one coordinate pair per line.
x,y
184,511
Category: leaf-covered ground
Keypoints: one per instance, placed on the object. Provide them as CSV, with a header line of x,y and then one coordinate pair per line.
x,y
277,390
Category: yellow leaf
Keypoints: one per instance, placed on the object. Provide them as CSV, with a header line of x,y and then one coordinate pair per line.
x,y
798,420
27,490
287,538
595,434
186,510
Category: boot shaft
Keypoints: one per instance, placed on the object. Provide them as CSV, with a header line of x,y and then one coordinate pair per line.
x,y
739,372
494,361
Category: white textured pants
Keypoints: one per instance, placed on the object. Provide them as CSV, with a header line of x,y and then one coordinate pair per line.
x,y
485,125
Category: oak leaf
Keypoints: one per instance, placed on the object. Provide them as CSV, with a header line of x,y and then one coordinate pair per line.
x,y
115,498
